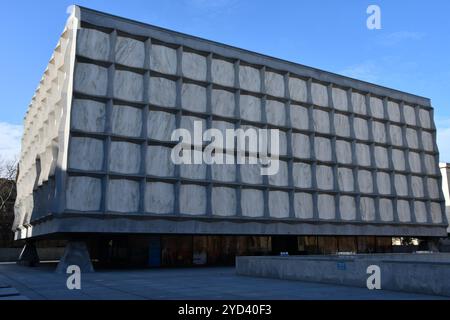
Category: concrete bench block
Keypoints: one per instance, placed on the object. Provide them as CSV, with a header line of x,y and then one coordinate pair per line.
x,y
436,212
430,164
324,177
342,125
163,59
88,115
396,135
159,162
223,103
367,209
249,78
86,154
340,101
125,157
414,162
359,103
93,44
128,86
274,83
303,205
279,204
192,199
301,173
363,154
130,52
319,94
123,196
393,110
321,121
298,89
222,72
126,121
410,114
384,183
420,211
160,125
252,203
365,181
326,206
281,177
386,210
401,185
275,112
300,146
381,157
224,201
433,188
250,108
398,159
163,92
322,148
427,141
159,197
379,132
343,152
403,211
425,119
347,206
376,108
91,79
299,117
361,129
346,180
83,193
194,66
193,97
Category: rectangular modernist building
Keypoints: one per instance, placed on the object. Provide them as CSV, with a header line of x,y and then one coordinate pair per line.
x,y
356,159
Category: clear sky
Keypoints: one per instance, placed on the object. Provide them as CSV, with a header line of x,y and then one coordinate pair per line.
x,y
411,52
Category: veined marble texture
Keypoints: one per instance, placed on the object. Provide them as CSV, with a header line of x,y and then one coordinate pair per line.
x,y
88,115
163,59
301,175
322,148
162,92
192,199
300,145
159,197
249,78
340,101
252,203
298,90
321,121
319,94
303,205
326,206
83,193
222,72
224,201
299,117
343,152
160,125
130,52
123,196
278,204
86,154
126,121
347,207
125,157
128,86
223,102
274,83
159,162
194,66
91,79
359,103
93,44
250,107
342,125
324,177
345,179
367,209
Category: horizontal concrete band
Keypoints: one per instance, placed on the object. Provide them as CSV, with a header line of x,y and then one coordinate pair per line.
x,y
137,28
220,227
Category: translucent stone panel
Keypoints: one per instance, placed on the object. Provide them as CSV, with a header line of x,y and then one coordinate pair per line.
x,y
345,179
430,164
252,203
86,154
88,115
365,181
251,173
361,129
158,161
347,208
128,86
274,83
279,204
363,154
398,159
420,211
386,210
425,119
297,89
223,102
381,157
396,135
250,108
301,175
222,72
249,78
303,205
417,186
427,141
91,79
194,66
282,143
322,148
281,177
379,132
324,177
367,208
275,112
126,121
411,138
341,125
125,157
162,92
326,206
193,97
376,107
359,103
159,197
123,196
384,183
192,199
436,212
163,59
300,145
409,114
401,185
319,94
414,162
321,121
343,152
403,211
188,122
130,52
83,193
93,44
224,172
193,171
393,110
160,125
223,201
299,117
433,188
339,99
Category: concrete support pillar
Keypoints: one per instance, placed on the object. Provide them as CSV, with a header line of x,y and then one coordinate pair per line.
x,y
76,253
29,256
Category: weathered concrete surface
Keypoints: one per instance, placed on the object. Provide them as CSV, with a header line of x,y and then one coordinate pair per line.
x,y
75,254
419,273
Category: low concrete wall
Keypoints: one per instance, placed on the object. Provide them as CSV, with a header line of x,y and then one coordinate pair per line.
x,y
45,254
419,273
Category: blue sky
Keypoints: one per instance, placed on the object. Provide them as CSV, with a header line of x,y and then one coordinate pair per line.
x,y
411,52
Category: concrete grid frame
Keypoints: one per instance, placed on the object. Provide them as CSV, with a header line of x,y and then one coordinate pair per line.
x,y
355,158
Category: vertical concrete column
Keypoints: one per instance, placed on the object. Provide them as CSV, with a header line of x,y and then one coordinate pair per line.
x,y
29,256
75,254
